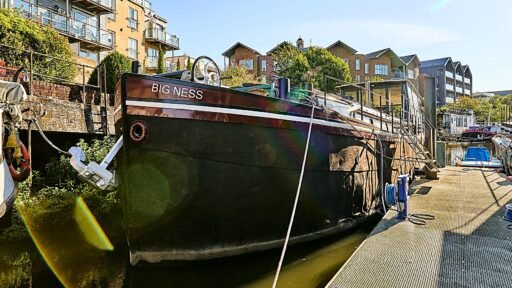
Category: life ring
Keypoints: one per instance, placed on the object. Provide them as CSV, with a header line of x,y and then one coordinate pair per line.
x,y
24,166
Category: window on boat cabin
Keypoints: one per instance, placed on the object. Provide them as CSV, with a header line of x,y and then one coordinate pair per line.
x,y
366,68
410,73
358,78
132,48
132,18
381,69
263,65
358,64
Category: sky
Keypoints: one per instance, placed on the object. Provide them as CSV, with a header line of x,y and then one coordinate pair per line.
x,y
477,33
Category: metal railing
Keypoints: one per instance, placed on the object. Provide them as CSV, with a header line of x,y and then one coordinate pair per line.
x,y
64,24
458,77
161,36
12,58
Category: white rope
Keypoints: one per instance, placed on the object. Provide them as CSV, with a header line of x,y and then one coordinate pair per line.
x,y
48,140
283,252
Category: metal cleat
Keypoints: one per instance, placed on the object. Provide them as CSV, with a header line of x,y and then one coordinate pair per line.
x,y
93,173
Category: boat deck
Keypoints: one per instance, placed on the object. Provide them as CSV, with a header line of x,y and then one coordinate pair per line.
x,y
468,244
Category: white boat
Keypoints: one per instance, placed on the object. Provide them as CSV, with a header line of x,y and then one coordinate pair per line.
x,y
478,157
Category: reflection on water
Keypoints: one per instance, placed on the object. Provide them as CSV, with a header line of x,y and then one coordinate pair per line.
x,y
77,263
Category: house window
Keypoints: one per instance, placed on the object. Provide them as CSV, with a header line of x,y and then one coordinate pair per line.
x,y
263,65
366,68
247,64
152,58
381,69
132,18
410,73
358,78
132,48
358,64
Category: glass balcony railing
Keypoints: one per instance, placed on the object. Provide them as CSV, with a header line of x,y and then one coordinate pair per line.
x,y
458,77
151,61
64,24
449,74
397,75
458,89
467,80
449,87
163,37
467,92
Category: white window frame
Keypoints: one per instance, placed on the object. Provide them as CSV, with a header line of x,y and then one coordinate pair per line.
x,y
133,20
358,78
358,64
134,50
366,68
263,65
410,73
381,69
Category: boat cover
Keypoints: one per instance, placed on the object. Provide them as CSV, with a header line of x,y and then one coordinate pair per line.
x,y
477,154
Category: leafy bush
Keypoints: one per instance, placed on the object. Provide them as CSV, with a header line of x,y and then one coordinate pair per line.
x,y
161,61
21,33
115,64
235,76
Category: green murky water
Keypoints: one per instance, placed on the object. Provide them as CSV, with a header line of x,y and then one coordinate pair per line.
x,y
63,257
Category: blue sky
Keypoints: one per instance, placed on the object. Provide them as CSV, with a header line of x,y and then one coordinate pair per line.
x,y
476,33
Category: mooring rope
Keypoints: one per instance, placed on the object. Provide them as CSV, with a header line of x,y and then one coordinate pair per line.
x,y
34,120
283,252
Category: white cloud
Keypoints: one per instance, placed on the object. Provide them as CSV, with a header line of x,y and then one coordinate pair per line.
x,y
382,33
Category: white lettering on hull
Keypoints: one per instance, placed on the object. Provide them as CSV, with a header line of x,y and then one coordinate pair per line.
x,y
183,92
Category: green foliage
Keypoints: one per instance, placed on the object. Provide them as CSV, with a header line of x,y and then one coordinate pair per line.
x,y
115,64
178,65
235,76
189,64
376,79
483,109
20,33
161,60
310,66
54,201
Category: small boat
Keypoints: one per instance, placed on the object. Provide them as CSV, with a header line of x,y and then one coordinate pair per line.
x,y
478,157
479,133
502,146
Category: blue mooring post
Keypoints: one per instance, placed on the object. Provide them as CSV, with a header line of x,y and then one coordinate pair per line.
x,y
403,186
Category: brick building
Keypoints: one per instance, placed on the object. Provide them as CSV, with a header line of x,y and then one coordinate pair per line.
x,y
242,55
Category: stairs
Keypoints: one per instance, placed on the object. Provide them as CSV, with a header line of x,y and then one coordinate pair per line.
x,y
421,152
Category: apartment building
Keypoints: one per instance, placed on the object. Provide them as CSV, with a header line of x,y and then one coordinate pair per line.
x,y
453,80
382,64
94,28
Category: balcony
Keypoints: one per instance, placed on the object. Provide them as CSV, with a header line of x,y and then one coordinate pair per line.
x,y
93,38
97,6
467,80
458,77
467,92
458,89
151,62
449,87
449,74
397,75
170,42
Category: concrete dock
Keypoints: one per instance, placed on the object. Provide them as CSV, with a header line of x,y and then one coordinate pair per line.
x,y
468,244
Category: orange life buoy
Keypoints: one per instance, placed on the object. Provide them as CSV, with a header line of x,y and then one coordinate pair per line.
x,y
24,166
138,131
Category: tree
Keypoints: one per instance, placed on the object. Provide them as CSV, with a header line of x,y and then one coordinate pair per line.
x,y
291,63
483,109
178,65
161,61
115,64
189,64
311,66
236,76
23,34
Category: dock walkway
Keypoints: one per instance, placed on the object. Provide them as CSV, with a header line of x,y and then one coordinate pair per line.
x,y
468,244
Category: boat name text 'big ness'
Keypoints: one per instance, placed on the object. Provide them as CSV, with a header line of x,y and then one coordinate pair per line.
x,y
177,91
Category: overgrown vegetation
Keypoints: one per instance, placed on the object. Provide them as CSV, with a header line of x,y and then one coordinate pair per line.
x,y
57,190
23,34
235,76
310,66
484,109
161,61
115,64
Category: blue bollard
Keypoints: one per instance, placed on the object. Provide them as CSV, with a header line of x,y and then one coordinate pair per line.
x,y
401,205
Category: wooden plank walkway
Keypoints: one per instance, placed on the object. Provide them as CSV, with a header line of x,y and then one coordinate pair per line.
x,y
468,244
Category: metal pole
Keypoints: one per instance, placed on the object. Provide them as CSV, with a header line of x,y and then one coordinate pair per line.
x,y
31,64
83,81
392,120
361,103
380,105
106,99
325,90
